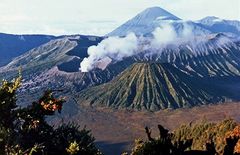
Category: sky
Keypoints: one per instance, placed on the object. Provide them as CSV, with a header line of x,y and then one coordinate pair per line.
x,y
99,17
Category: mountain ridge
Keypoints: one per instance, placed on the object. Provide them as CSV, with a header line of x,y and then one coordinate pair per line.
x,y
216,25
148,20
142,21
151,86
12,45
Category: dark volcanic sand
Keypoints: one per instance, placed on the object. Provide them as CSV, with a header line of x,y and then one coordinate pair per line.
x,y
116,130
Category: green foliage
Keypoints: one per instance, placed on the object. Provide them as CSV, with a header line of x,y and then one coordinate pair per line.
x,y
200,138
163,145
152,86
8,101
204,132
73,148
25,130
68,134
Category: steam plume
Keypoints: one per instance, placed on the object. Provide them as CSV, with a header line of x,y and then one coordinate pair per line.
x,y
117,48
113,47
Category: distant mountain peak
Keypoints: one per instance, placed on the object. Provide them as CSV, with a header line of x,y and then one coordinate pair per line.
x,y
211,17
210,20
144,22
156,12
216,25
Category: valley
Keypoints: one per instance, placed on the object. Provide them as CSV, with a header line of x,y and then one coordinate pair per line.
x,y
116,130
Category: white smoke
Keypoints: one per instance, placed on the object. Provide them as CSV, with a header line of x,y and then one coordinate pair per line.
x,y
166,34
113,47
187,31
117,48
163,35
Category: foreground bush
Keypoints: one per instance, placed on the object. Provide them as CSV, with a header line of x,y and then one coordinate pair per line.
x,y
193,139
204,131
25,131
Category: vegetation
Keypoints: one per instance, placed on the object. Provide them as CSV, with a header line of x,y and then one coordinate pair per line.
x,y
204,131
25,130
152,86
201,138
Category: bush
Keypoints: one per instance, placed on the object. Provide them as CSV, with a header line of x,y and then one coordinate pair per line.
x,y
162,145
25,130
200,138
203,132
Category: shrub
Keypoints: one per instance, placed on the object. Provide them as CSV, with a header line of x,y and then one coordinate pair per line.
x,y
25,130
200,138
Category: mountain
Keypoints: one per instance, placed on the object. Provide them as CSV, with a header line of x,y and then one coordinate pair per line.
x,y
206,56
12,46
217,25
148,20
55,64
151,86
144,22
54,53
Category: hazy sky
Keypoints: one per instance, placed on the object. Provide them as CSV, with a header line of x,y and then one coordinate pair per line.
x,y
98,17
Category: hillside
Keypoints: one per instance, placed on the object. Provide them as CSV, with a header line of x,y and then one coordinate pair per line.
x,y
215,24
56,64
151,86
12,46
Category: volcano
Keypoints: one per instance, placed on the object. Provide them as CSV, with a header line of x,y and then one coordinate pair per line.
x,y
148,20
151,86
144,22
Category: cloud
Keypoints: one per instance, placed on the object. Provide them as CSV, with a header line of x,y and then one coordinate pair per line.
x,y
21,13
163,35
102,21
198,9
14,18
166,34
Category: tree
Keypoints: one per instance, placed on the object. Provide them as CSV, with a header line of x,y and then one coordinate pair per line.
x,y
183,139
163,145
25,130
